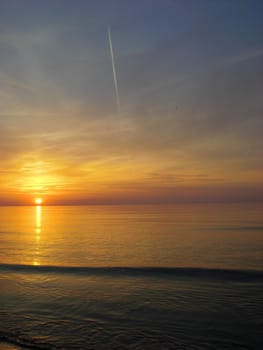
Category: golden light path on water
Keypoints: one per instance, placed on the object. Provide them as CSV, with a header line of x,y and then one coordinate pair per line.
x,y
38,234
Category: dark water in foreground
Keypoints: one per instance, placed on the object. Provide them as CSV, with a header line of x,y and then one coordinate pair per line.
x,y
182,277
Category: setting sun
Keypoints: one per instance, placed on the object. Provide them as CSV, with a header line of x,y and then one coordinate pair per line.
x,y
38,201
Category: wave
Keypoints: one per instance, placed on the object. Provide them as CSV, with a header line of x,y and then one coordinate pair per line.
x,y
239,228
209,273
24,342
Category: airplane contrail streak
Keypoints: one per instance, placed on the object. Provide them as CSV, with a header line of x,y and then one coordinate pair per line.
x,y
114,72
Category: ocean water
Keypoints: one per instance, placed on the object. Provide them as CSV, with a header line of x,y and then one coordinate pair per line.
x,y
132,277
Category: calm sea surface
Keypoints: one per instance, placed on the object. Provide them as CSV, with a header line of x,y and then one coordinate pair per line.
x,y
132,277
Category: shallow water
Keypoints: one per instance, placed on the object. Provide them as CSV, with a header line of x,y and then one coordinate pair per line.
x,y
145,277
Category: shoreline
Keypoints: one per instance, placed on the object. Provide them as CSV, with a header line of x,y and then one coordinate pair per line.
x,y
4,345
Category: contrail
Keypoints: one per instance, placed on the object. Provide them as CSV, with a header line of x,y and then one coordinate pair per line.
x,y
114,72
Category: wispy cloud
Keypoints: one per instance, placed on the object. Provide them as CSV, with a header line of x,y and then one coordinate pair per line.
x,y
191,92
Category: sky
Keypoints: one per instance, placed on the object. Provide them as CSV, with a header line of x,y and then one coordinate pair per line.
x,y
190,80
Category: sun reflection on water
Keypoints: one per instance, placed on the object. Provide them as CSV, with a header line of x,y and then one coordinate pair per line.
x,y
38,234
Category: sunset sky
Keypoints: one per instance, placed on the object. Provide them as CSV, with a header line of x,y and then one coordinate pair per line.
x,y
190,76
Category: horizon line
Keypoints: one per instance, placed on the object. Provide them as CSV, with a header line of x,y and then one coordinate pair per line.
x,y
234,201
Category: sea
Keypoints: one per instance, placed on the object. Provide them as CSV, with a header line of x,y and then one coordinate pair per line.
x,y
184,276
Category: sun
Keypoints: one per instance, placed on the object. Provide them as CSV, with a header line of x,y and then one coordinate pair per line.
x,y
38,201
